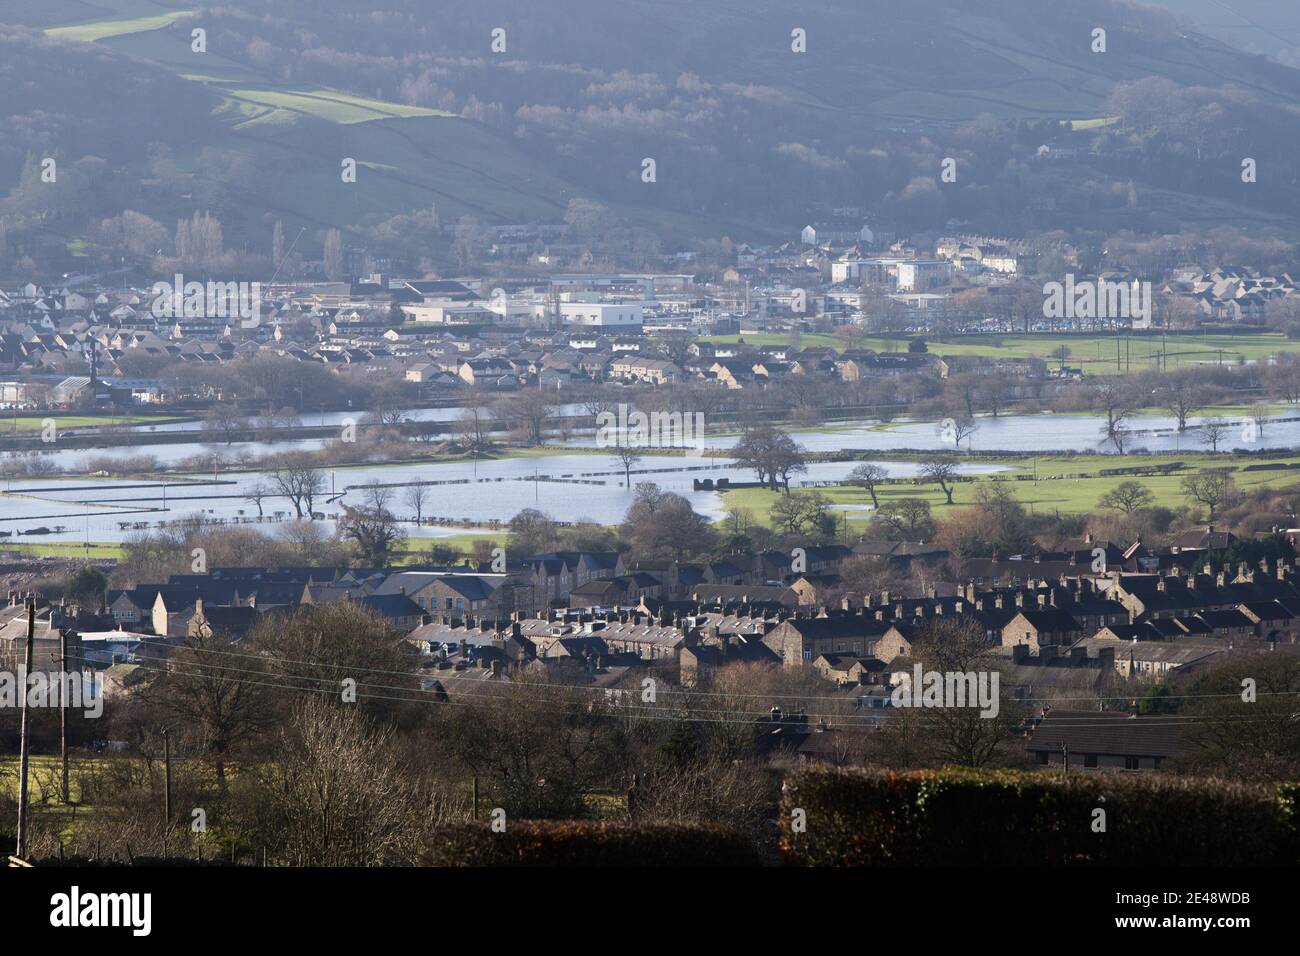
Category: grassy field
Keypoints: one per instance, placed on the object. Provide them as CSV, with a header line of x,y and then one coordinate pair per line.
x,y
416,547
44,787
1094,353
96,549
26,423
1065,485
408,157
43,770
105,29
329,105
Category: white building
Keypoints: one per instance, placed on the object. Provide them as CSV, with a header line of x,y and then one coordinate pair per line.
x,y
625,316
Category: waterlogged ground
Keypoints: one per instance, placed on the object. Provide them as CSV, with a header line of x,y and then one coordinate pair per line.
x,y
568,486
587,485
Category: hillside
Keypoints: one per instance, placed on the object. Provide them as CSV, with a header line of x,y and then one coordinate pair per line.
x,y
1266,27
749,137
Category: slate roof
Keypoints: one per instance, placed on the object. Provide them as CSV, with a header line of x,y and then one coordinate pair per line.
x,y
1107,733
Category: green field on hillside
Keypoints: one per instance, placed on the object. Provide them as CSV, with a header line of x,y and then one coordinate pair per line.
x,y
409,157
106,29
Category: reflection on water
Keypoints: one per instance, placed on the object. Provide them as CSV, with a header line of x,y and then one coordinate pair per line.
x,y
568,486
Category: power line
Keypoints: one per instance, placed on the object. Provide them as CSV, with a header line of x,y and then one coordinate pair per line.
x,y
1094,698
630,708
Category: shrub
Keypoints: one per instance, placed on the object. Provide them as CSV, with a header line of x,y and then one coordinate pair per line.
x,y
576,843
958,817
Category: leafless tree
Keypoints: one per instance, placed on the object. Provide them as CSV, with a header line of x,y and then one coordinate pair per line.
x,y
298,479
964,735
1128,497
1115,398
527,412
215,694
416,496
373,527
1213,431
942,471
868,477
627,455
1213,488
1179,395
256,493
473,423
339,793
223,420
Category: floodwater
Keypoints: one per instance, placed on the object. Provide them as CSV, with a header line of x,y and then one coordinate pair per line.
x,y
567,486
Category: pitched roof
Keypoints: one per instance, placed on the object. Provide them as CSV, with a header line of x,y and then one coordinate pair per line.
x,y
1107,733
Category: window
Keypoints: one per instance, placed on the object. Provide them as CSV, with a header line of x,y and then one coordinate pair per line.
x,y
1130,763
1090,760
1041,757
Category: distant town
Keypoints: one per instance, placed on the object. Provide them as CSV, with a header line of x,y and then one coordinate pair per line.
x,y
619,435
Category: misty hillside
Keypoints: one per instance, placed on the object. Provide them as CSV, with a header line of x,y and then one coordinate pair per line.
x,y
749,137
1266,27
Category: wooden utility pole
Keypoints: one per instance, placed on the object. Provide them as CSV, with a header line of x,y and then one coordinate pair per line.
x,y
167,790
24,748
63,709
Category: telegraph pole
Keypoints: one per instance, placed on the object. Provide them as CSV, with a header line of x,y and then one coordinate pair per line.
x,y
63,709
26,733
167,790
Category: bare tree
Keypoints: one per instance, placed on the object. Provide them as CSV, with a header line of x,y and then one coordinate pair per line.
x,y
224,421
907,519
1128,497
958,428
1213,431
216,695
472,425
868,477
942,471
1115,399
256,493
527,411
1213,488
627,455
772,454
373,527
416,496
298,479
340,794
1179,395
965,735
